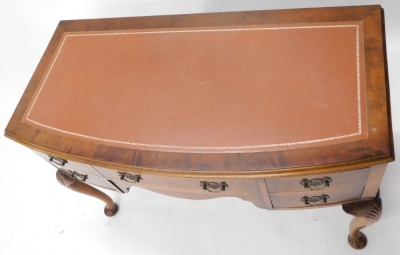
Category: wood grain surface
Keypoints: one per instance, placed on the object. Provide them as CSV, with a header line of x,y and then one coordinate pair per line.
x,y
376,148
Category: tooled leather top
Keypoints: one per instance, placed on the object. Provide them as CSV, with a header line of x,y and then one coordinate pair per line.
x,y
219,89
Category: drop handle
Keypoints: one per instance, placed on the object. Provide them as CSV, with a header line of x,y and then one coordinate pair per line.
x,y
316,183
78,176
58,161
133,178
315,200
214,187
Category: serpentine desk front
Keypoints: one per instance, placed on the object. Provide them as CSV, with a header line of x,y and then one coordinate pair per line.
x,y
287,109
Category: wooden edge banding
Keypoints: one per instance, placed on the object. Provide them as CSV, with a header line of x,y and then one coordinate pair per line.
x,y
248,174
220,18
388,101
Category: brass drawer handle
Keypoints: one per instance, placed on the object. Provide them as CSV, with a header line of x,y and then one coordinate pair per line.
x,y
133,178
317,183
315,200
78,176
58,161
214,186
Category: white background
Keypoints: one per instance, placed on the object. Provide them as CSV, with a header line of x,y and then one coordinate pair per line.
x,y
39,216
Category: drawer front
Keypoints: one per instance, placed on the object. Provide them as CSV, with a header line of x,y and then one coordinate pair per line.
x,y
354,178
194,193
66,164
254,198
314,197
77,166
88,178
181,184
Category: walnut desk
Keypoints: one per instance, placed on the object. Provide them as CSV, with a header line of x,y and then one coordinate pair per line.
x,y
287,109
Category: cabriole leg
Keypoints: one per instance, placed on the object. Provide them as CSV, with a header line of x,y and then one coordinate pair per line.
x,y
67,180
366,212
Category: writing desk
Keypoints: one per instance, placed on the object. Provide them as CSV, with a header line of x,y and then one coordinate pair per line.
x,y
287,109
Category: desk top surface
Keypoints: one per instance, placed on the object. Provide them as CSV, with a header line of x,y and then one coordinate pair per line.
x,y
278,89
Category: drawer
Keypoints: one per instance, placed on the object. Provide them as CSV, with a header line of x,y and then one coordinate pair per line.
x,y
314,197
194,192
353,178
182,184
66,164
89,178
254,198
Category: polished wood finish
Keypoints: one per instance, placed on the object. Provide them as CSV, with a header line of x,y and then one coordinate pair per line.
x,y
269,179
366,212
264,193
234,185
377,148
67,180
353,178
294,199
254,198
374,181
69,164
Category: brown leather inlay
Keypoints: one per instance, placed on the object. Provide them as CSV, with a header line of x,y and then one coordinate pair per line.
x,y
221,89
